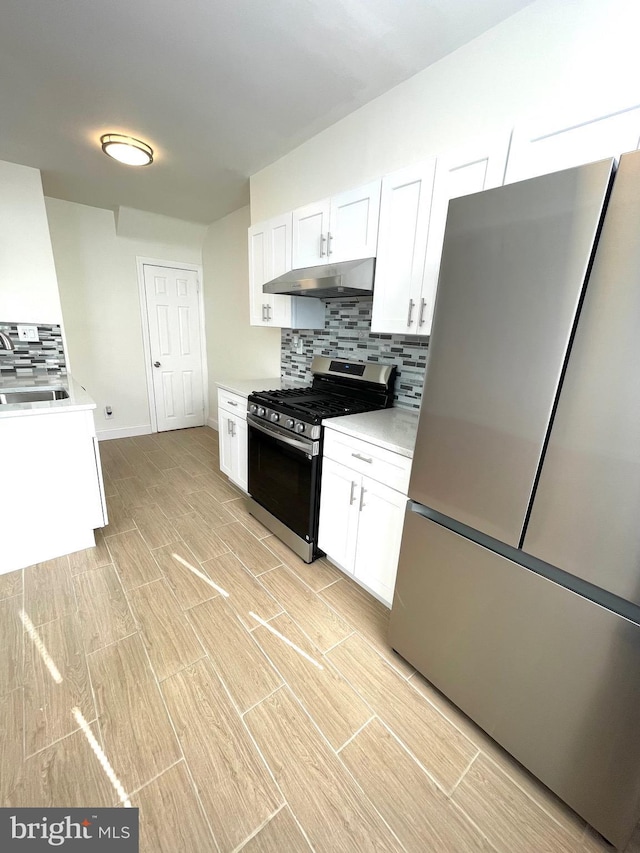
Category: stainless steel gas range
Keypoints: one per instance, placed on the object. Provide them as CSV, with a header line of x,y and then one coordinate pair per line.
x,y
285,443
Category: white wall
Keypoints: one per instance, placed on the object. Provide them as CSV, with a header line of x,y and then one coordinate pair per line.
x,y
235,349
553,56
28,285
98,285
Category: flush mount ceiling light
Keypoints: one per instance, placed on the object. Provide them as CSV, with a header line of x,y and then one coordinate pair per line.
x,y
126,149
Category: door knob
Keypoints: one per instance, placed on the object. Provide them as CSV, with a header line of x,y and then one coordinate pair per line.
x,y
156,364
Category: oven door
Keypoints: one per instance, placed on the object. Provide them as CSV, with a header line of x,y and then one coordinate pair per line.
x,y
284,476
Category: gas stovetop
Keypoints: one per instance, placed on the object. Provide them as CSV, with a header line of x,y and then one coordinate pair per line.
x,y
309,405
339,388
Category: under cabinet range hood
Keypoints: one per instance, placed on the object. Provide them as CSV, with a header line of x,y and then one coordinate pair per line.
x,y
346,280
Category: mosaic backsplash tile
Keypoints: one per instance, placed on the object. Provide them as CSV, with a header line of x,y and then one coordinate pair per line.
x,y
347,334
31,358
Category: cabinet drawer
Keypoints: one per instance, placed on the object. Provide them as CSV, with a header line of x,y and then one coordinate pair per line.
x,y
235,404
380,464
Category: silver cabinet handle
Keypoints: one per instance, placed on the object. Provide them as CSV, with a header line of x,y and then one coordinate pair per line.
x,y
353,493
361,458
329,239
231,403
362,503
423,305
156,364
269,313
264,317
229,427
411,304
322,239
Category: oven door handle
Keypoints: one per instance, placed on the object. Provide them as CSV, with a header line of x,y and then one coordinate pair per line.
x,y
299,443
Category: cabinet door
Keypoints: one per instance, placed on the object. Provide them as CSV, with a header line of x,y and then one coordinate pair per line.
x,y
269,256
225,438
338,530
353,224
258,258
405,208
240,453
310,227
462,172
279,259
379,535
563,142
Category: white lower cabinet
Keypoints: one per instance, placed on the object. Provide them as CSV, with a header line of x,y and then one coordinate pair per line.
x,y
379,536
361,518
338,530
53,497
232,432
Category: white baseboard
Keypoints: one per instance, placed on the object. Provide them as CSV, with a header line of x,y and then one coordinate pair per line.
x,y
124,432
213,423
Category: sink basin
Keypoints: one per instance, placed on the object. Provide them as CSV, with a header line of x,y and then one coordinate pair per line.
x,y
32,395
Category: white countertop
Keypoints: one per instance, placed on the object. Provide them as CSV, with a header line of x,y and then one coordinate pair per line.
x,y
395,429
244,387
77,400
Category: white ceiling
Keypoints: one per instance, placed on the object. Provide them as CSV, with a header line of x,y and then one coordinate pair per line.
x,y
219,88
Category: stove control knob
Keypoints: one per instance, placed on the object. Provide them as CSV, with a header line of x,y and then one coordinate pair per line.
x,y
260,411
299,427
253,408
275,417
290,423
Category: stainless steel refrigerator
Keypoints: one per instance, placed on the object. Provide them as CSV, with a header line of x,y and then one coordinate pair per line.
x,y
518,589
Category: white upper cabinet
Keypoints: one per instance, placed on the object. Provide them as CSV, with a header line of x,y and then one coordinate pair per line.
x,y
413,215
353,224
480,166
405,208
553,144
342,228
270,256
310,229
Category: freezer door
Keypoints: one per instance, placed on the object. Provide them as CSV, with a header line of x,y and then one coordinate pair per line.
x,y
586,510
551,676
513,267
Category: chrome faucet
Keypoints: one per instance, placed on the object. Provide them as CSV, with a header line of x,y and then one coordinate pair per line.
x,y
6,342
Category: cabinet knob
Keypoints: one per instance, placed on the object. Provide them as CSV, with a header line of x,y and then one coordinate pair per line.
x,y
156,364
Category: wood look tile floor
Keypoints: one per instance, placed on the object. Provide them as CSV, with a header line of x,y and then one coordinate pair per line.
x,y
192,666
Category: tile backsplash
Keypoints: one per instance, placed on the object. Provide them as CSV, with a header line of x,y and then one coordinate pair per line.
x,y
31,358
347,334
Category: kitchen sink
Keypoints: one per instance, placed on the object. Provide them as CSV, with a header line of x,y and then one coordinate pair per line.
x,y
32,395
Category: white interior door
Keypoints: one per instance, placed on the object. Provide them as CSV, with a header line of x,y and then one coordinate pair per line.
x,y
173,312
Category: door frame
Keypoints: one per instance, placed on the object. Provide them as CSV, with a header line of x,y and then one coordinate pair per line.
x,y
141,262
